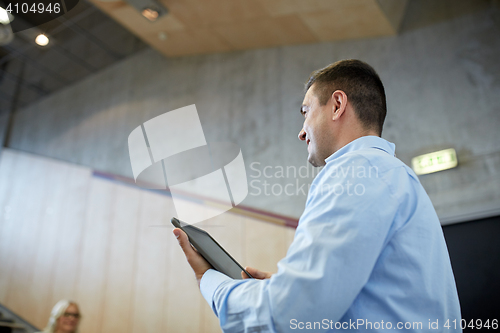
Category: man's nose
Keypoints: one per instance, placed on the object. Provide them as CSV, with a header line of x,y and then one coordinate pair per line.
x,y
302,135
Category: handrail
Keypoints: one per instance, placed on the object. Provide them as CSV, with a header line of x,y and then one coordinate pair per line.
x,y
18,321
11,325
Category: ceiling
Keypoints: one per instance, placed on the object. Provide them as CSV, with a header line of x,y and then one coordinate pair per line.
x,y
96,34
82,41
206,26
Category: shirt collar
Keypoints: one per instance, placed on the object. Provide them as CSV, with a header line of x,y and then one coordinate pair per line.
x,y
363,142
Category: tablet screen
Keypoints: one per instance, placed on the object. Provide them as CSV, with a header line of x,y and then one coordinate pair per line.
x,y
212,251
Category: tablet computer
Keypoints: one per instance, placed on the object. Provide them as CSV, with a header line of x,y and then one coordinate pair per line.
x,y
211,250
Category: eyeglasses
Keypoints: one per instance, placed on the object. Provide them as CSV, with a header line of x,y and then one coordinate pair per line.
x,y
70,314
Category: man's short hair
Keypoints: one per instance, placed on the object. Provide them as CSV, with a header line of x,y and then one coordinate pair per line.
x,y
361,84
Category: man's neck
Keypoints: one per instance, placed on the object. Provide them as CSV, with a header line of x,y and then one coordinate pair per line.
x,y
353,136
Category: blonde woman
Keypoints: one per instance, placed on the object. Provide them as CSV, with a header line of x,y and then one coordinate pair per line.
x,y
64,318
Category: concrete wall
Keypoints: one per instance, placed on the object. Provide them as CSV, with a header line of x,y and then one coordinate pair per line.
x,y
442,82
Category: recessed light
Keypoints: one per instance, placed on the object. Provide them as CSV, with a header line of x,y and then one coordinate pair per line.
x,y
150,13
42,40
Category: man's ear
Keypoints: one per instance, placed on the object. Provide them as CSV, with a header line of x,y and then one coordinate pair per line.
x,y
339,103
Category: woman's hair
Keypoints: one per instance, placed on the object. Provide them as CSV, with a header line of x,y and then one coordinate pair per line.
x,y
57,311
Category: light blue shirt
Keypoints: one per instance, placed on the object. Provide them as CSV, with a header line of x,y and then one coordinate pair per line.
x,y
368,252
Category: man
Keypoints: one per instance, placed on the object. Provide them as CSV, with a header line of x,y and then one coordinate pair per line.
x,y
368,253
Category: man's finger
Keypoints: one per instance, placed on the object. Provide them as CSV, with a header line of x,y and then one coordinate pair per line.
x,y
244,275
183,240
257,273
195,260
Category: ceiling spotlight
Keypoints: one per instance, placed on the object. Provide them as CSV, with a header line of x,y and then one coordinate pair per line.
x,y
152,10
42,40
151,13
5,16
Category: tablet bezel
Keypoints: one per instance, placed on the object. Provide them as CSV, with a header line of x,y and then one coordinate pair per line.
x,y
179,224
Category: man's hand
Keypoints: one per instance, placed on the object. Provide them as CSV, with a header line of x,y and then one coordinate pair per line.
x,y
259,275
195,260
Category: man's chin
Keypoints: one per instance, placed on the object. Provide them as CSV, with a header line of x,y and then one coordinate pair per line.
x,y
314,161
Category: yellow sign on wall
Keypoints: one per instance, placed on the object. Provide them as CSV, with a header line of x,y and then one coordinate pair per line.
x,y
433,162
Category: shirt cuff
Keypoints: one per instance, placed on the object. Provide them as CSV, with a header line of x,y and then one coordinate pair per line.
x,y
209,283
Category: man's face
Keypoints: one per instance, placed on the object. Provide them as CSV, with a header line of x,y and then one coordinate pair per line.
x,y
68,321
317,129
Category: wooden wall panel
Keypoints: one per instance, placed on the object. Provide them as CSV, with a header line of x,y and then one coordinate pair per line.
x,y
151,264
121,263
266,32
289,236
265,244
94,257
26,227
65,233
182,304
228,25
41,286
69,241
359,19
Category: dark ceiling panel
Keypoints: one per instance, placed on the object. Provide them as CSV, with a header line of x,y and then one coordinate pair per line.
x,y
82,42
